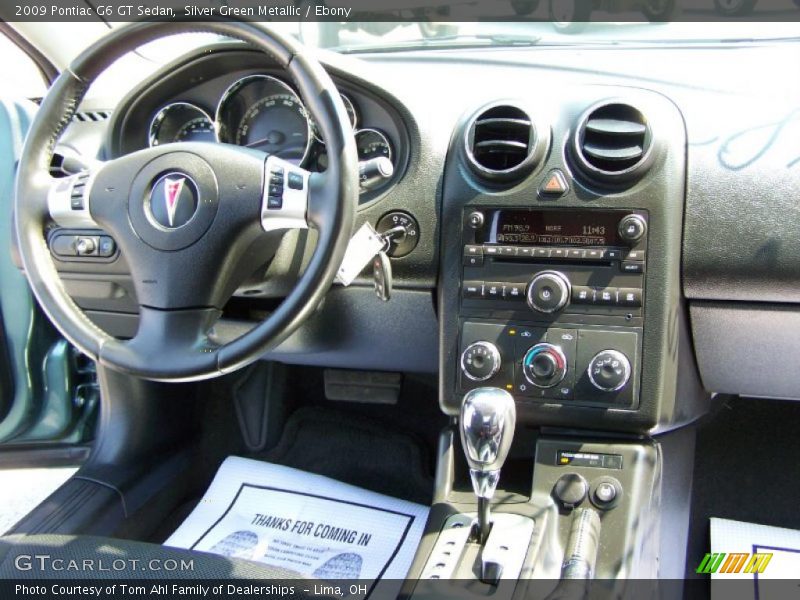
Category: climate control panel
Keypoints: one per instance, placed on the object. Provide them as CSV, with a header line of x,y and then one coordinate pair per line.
x,y
581,365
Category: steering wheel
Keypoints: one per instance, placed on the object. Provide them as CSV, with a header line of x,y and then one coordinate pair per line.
x,y
189,218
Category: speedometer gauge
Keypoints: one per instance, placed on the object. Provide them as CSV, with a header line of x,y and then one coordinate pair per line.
x,y
264,113
181,122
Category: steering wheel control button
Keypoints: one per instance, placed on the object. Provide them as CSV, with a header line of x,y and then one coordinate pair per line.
x,y
632,228
570,490
548,292
544,365
605,493
554,185
400,245
480,361
295,181
275,189
475,219
609,371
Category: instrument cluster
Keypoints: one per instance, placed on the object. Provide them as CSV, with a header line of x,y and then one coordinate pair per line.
x,y
265,113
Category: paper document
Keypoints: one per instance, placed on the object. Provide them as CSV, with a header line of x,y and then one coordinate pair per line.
x,y
758,553
313,525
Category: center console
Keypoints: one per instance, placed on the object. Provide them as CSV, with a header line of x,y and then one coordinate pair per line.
x,y
560,228
552,304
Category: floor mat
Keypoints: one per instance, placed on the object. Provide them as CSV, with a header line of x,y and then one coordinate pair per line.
x,y
302,522
756,555
745,469
354,450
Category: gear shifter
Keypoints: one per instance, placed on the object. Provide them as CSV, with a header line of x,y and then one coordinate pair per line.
x,y
488,416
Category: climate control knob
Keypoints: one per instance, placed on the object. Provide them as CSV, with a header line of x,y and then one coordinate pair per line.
x,y
480,361
548,292
544,365
609,370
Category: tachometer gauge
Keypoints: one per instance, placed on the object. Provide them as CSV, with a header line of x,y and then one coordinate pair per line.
x,y
371,143
351,114
264,113
181,122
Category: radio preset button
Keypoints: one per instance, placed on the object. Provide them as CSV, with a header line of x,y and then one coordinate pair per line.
x,y
630,297
525,251
558,253
491,250
606,296
594,254
582,294
507,250
576,253
493,290
613,254
515,291
541,252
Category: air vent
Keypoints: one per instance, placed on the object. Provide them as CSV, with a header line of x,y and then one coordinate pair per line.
x,y
90,116
612,143
501,142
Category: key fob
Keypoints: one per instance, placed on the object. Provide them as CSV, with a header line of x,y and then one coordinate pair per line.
x,y
382,274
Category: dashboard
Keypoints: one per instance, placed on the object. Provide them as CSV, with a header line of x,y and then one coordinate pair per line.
x,y
215,100
633,223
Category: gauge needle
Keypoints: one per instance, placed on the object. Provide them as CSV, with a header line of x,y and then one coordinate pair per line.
x,y
257,142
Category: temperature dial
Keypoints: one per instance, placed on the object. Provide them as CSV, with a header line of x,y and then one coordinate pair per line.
x,y
609,371
544,365
480,361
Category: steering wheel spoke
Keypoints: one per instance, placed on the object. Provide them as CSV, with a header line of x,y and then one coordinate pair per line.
x,y
68,199
170,344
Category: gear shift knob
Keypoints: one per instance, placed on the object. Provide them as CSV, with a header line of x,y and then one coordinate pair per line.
x,y
488,416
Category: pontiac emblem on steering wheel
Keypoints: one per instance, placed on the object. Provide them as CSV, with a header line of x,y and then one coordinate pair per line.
x,y
173,201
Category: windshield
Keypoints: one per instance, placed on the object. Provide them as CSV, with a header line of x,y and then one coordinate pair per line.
x,y
61,42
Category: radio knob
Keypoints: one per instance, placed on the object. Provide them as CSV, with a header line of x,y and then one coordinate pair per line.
x,y
480,361
632,228
609,371
548,292
544,365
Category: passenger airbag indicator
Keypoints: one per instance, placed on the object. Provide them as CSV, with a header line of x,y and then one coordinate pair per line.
x,y
587,459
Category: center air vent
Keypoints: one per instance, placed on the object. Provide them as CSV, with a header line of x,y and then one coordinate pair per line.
x,y
612,143
501,143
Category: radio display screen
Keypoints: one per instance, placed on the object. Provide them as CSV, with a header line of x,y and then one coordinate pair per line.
x,y
555,227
